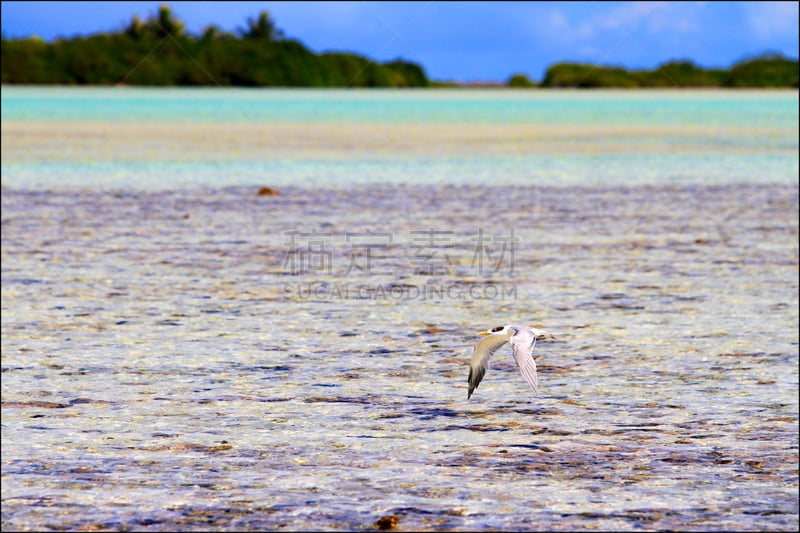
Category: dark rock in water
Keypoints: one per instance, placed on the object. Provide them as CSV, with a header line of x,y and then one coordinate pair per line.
x,y
387,522
267,191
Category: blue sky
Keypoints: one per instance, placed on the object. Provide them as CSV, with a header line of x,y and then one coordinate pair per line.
x,y
468,41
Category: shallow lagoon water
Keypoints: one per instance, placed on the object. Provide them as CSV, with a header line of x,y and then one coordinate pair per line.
x,y
190,355
163,367
155,138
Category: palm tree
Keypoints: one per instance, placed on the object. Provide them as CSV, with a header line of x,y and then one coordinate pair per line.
x,y
262,28
165,23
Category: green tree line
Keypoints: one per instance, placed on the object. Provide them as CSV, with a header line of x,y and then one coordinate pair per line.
x,y
158,51
771,70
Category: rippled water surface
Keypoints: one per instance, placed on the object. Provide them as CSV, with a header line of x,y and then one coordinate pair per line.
x,y
182,353
165,366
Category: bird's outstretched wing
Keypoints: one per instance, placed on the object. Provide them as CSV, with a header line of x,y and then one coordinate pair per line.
x,y
522,344
480,359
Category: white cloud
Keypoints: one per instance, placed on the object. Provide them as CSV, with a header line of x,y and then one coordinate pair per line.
x,y
768,20
677,17
555,20
622,20
624,16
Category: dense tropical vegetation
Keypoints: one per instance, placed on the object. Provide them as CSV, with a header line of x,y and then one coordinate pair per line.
x,y
770,70
159,51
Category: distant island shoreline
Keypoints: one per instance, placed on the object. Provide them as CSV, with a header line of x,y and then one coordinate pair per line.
x,y
433,87
158,52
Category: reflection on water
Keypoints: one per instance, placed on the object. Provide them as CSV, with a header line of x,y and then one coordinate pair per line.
x,y
164,370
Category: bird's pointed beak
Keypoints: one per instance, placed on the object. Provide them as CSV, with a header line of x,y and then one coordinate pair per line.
x,y
484,333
